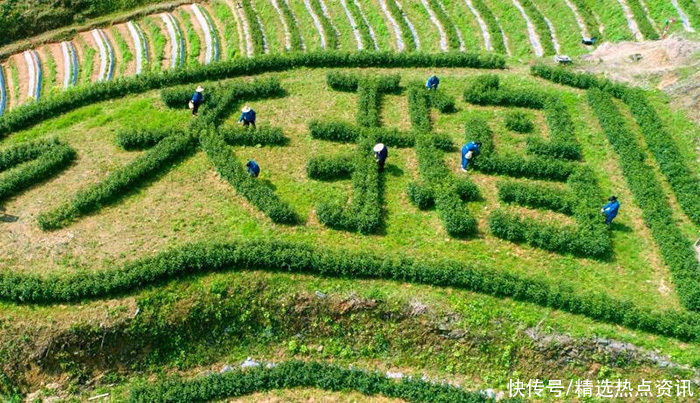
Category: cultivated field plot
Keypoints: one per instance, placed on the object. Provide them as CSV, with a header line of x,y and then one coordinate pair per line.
x,y
131,213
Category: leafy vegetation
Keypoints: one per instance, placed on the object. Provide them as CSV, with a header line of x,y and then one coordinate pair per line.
x,y
494,28
328,30
519,122
675,248
35,162
543,31
254,28
406,34
296,374
640,16
447,24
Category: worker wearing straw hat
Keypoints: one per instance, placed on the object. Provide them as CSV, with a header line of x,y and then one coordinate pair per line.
x,y
247,116
380,154
196,100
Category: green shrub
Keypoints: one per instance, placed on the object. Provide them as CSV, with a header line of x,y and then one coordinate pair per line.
x,y
242,136
543,31
661,143
328,30
347,133
519,122
588,19
447,24
32,113
349,82
536,196
330,168
438,185
406,34
365,216
441,101
486,90
256,33
256,191
296,44
35,162
494,28
649,195
491,162
298,374
368,43
141,139
119,182
640,16
557,238
279,256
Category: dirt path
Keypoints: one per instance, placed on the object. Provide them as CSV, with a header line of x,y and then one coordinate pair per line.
x,y
20,62
482,25
437,24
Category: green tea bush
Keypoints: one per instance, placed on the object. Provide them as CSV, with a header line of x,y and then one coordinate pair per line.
x,y
328,30
34,162
518,121
256,33
489,161
486,90
280,256
441,101
349,82
24,152
661,143
298,374
543,31
438,183
683,181
538,195
366,213
557,238
494,28
347,133
330,168
253,189
447,24
242,136
369,103
179,97
119,182
640,16
368,43
588,19
406,34
296,44
34,112
675,248
141,139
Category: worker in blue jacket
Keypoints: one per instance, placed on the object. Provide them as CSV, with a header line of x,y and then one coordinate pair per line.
x,y
432,83
247,116
380,154
469,151
610,209
196,100
253,168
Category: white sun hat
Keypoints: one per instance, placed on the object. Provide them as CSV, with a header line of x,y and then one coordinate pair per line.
x,y
379,147
245,109
200,89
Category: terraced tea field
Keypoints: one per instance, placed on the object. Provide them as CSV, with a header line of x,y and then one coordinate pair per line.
x,y
139,260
